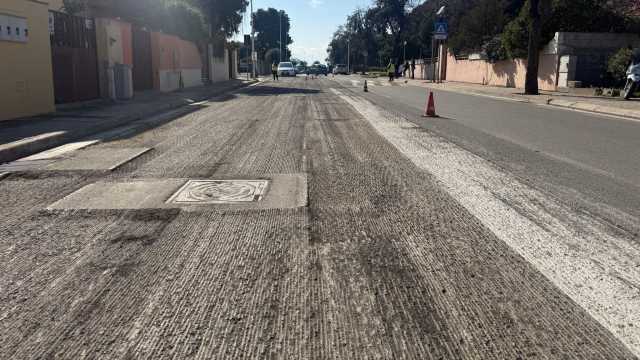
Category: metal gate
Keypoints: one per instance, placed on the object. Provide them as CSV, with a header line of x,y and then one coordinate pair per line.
x,y
142,72
74,57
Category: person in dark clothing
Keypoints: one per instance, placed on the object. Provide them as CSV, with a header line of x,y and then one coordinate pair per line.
x,y
405,69
274,71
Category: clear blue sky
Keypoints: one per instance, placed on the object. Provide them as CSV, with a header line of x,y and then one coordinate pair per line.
x,y
312,22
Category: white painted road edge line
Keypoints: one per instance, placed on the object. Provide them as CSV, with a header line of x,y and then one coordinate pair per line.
x,y
470,93
581,255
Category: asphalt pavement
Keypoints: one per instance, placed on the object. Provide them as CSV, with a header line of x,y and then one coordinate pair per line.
x,y
334,226
590,160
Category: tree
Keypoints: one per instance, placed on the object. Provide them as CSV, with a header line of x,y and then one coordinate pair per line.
x,y
178,17
73,7
224,16
392,16
535,29
618,63
479,25
267,26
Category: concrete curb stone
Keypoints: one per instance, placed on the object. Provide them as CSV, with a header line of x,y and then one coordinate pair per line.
x,y
607,110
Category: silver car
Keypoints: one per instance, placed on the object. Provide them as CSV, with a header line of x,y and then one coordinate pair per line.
x,y
286,69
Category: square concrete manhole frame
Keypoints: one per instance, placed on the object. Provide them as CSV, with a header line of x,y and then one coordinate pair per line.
x,y
202,192
278,191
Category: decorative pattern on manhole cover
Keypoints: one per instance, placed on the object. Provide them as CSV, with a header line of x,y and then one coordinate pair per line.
x,y
220,192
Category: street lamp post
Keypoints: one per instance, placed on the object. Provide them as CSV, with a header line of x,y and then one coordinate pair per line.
x,y
253,44
404,52
349,56
280,21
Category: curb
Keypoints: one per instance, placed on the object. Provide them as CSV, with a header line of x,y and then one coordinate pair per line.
x,y
633,115
597,109
29,146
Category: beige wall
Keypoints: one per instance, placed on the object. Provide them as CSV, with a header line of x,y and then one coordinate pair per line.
x,y
508,73
26,78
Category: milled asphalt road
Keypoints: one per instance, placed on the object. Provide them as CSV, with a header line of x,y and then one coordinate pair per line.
x,y
590,160
385,260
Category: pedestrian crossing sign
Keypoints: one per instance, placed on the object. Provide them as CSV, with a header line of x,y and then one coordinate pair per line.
x,y
441,28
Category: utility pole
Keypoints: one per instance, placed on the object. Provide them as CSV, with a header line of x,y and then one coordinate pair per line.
x,y
349,56
280,21
253,44
404,52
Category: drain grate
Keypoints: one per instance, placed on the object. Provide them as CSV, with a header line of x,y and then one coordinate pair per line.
x,y
220,192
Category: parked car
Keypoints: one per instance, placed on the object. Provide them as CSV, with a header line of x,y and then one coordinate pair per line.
x,y
286,69
301,69
319,69
341,69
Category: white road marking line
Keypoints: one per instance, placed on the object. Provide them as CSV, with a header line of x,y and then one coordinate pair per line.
x,y
494,97
599,270
59,151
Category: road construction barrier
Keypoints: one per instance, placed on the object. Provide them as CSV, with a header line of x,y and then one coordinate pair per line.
x,y
430,107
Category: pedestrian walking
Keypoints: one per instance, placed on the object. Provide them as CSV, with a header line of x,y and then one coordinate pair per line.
x,y
413,69
274,71
405,69
391,70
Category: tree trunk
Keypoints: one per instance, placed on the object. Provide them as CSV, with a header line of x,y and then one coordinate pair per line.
x,y
535,29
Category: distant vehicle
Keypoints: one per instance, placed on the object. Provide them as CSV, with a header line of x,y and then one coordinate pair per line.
x,y
286,69
301,69
340,69
319,69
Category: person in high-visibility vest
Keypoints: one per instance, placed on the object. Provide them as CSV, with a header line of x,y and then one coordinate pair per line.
x,y
391,70
274,71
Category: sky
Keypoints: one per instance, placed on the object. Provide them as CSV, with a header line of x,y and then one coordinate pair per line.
x,y
313,22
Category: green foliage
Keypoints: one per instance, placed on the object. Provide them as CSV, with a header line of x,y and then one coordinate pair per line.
x,y
515,38
267,26
618,63
178,17
494,50
73,7
184,20
479,25
189,19
563,15
224,15
294,61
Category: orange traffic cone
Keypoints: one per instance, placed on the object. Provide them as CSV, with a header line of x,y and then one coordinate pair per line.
x,y
430,109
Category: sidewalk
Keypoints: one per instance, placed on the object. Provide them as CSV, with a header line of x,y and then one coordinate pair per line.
x,y
597,104
26,136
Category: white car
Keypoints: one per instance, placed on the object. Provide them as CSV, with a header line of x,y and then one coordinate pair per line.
x,y
286,69
340,69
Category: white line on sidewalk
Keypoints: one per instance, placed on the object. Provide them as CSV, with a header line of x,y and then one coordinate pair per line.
x,y
581,255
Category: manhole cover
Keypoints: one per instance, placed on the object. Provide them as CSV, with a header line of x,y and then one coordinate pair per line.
x,y
220,191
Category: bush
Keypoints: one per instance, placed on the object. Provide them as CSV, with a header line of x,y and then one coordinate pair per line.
x,y
618,64
516,37
494,50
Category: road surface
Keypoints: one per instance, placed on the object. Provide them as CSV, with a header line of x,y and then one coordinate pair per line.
x,y
366,233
